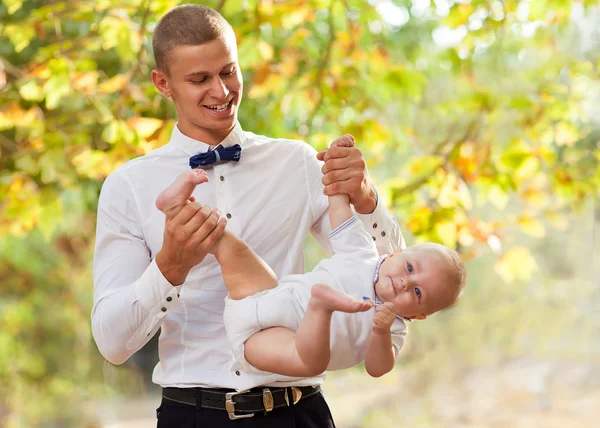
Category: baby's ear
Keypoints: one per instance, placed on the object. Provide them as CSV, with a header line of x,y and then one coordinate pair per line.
x,y
421,317
398,251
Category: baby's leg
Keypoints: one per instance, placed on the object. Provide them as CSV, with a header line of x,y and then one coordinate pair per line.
x,y
244,272
306,352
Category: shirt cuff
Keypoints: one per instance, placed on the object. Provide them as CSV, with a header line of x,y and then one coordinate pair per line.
x,y
375,222
155,293
345,225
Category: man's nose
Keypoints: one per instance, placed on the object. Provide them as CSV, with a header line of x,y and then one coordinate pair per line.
x,y
219,89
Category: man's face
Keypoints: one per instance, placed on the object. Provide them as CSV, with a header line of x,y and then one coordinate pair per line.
x,y
415,281
205,84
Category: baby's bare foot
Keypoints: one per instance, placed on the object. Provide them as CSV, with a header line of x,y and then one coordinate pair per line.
x,y
328,297
181,189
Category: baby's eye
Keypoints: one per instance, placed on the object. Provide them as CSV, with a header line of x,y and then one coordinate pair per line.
x,y
409,268
418,292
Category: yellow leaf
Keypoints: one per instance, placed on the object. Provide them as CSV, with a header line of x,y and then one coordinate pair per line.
x,y
464,195
465,237
532,227
447,233
144,126
516,264
13,5
31,91
113,85
93,164
265,50
85,82
497,196
536,198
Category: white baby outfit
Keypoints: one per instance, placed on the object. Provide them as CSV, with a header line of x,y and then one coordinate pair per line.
x,y
351,270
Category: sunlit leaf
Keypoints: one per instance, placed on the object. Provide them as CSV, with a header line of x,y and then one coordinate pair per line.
x,y
114,84
516,264
447,233
31,91
532,226
144,126
19,36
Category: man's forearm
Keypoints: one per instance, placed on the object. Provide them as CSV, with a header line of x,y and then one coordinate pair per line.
x,y
114,319
380,355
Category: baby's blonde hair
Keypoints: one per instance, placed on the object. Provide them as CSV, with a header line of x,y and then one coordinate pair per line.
x,y
455,268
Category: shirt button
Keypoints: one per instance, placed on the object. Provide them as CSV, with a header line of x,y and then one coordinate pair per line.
x,y
382,233
163,309
237,372
228,215
169,299
177,294
374,225
373,238
222,178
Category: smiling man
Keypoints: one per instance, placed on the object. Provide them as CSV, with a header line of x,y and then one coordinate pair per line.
x,y
153,270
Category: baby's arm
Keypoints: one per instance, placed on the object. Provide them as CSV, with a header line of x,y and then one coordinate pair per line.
x,y
339,209
339,204
380,352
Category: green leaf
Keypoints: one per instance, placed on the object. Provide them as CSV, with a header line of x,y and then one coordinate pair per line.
x,y
31,91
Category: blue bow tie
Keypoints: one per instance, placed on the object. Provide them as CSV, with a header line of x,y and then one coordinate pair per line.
x,y
221,154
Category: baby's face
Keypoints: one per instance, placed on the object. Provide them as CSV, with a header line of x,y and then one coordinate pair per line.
x,y
416,282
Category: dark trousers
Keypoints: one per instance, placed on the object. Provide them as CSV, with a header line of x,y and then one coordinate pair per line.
x,y
311,412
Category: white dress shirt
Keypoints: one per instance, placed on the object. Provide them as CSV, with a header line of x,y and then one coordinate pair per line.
x,y
273,197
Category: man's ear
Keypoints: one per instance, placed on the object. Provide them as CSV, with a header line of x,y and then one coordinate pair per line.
x,y
161,82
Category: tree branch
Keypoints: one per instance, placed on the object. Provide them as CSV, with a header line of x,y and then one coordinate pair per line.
x,y
141,33
321,69
411,187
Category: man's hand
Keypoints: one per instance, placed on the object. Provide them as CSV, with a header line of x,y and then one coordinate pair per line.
x,y
385,314
190,228
190,231
345,171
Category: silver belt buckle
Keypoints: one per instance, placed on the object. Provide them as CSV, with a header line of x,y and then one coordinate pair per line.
x,y
230,406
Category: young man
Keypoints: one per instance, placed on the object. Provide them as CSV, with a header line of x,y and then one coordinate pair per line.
x,y
153,272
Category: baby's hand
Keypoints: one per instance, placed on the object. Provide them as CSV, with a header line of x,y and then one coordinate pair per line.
x,y
385,314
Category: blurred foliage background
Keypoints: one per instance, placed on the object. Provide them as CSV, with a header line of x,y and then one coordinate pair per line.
x,y
480,123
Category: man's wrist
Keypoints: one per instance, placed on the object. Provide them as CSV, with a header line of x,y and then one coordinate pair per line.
x,y
173,273
368,205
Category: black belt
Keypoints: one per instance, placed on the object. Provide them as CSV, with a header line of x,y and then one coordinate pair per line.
x,y
246,403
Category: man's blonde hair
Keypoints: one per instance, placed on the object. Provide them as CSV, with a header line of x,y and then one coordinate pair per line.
x,y
186,25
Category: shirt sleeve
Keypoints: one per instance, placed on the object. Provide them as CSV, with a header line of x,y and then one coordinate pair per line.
x,y
131,296
384,229
351,237
319,203
399,332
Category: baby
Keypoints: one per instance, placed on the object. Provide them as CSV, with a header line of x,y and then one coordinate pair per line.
x,y
302,325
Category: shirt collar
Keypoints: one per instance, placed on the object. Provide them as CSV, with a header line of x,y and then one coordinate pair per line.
x,y
192,147
375,278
